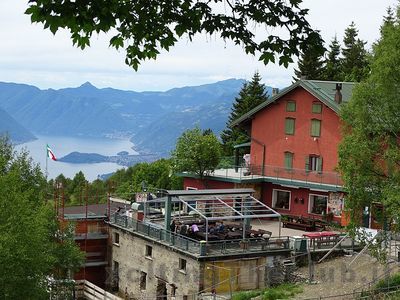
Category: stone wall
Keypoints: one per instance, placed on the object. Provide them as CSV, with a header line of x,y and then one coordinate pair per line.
x,y
162,268
165,274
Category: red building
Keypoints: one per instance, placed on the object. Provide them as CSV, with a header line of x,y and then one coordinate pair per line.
x,y
293,151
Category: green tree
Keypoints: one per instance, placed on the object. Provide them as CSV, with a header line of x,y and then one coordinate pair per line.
x,y
354,63
252,94
311,62
196,153
97,190
156,175
30,248
388,20
144,27
332,70
76,189
369,155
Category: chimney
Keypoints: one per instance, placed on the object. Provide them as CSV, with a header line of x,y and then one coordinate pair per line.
x,y
275,91
338,93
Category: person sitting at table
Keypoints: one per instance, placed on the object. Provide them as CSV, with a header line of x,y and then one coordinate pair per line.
x,y
212,229
172,226
178,227
195,228
221,227
184,229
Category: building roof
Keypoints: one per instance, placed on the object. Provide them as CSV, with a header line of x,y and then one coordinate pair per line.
x,y
93,210
323,90
209,192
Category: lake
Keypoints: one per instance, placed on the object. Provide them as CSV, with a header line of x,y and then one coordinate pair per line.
x,y
62,146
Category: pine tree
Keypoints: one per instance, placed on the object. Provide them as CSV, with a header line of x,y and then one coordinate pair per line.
x,y
355,66
369,154
332,70
389,19
388,22
251,95
311,64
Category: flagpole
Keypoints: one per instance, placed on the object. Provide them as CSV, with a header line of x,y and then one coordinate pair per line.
x,y
47,157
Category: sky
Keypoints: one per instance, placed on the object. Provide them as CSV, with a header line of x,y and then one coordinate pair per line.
x,y
29,54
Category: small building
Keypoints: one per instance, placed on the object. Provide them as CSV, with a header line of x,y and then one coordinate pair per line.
x,y
173,253
292,155
91,235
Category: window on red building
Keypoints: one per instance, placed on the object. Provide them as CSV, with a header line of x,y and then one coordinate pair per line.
x,y
288,160
281,199
317,108
318,204
315,128
289,126
291,106
314,163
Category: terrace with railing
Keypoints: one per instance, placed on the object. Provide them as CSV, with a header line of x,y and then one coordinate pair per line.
x,y
276,174
200,248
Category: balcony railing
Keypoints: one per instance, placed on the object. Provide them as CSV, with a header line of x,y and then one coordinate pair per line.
x,y
200,248
280,173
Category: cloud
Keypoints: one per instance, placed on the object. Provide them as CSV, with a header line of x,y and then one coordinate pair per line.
x,y
32,55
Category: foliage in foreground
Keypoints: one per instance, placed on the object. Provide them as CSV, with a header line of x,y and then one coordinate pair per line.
x,y
145,28
30,248
284,291
392,283
369,155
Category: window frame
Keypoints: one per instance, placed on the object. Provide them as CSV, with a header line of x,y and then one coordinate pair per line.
x,y
149,251
182,265
316,104
313,204
143,281
286,156
317,163
116,239
286,125
288,102
274,198
315,121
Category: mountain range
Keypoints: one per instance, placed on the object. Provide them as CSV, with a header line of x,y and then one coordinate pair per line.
x,y
15,131
153,120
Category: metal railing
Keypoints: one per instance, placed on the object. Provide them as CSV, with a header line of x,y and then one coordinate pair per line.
x,y
324,243
201,248
248,245
280,173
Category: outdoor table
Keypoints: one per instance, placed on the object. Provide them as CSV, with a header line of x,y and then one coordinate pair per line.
x,y
202,235
322,239
234,235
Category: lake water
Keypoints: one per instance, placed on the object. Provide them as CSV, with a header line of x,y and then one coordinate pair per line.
x,y
62,146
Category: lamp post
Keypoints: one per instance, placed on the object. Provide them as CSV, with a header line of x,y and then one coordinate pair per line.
x,y
213,267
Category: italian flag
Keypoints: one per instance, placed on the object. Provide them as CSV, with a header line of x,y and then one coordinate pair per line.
x,y
50,153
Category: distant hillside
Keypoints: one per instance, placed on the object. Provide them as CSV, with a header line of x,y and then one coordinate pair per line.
x,y
153,119
17,133
161,135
